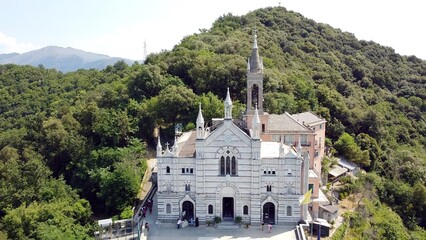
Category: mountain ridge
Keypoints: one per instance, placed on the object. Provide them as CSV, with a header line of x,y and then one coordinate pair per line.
x,y
64,59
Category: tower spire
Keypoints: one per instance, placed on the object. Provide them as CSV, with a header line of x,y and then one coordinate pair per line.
x,y
175,147
256,65
159,147
228,106
200,123
254,79
255,38
256,124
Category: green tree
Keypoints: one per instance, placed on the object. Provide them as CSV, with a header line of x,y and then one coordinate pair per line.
x,y
147,82
278,103
119,181
175,103
211,106
349,149
48,221
367,143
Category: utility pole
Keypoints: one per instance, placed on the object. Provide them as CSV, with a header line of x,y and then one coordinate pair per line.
x,y
144,51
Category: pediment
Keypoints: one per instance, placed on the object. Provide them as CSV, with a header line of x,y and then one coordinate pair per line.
x,y
228,134
291,154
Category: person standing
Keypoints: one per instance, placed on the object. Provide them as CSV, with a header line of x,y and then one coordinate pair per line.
x,y
261,225
150,205
144,211
179,222
147,226
269,228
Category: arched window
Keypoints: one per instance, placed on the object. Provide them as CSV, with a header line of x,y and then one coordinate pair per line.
x,y
288,210
167,169
233,166
254,96
222,165
245,210
210,209
168,208
228,164
187,187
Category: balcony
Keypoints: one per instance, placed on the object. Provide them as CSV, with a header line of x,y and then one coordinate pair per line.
x,y
296,143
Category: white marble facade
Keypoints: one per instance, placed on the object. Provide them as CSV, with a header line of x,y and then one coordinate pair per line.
x,y
232,174
228,171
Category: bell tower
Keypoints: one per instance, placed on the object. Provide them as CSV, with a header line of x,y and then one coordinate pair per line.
x,y
254,80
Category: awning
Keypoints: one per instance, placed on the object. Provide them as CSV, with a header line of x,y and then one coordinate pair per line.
x,y
330,208
105,222
337,171
321,199
346,164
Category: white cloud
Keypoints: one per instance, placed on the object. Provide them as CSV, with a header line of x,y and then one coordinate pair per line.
x,y
10,45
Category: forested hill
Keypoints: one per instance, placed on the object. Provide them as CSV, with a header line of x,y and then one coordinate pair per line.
x,y
86,128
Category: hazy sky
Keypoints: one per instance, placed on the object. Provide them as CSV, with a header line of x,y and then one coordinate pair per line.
x,y
119,27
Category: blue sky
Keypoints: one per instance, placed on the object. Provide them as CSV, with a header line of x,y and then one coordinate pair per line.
x,y
120,27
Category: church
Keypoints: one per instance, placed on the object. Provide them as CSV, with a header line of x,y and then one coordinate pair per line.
x,y
256,167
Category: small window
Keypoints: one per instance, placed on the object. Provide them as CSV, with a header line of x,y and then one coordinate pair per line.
x,y
269,171
183,170
320,126
289,172
191,170
187,187
311,186
167,169
263,128
289,211
210,209
269,188
245,210
168,208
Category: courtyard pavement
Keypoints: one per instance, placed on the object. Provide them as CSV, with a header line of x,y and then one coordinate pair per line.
x,y
168,231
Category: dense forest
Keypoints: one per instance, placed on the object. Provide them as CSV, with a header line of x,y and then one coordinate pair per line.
x,y
73,146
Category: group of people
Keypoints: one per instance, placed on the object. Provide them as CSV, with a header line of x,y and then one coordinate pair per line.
x,y
182,222
269,226
145,208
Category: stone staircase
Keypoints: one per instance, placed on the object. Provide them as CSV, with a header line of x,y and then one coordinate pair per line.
x,y
227,225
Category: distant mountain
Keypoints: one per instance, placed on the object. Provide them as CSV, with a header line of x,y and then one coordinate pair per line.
x,y
63,59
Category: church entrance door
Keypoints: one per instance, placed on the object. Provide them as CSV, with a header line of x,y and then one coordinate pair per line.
x,y
228,208
188,210
269,213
